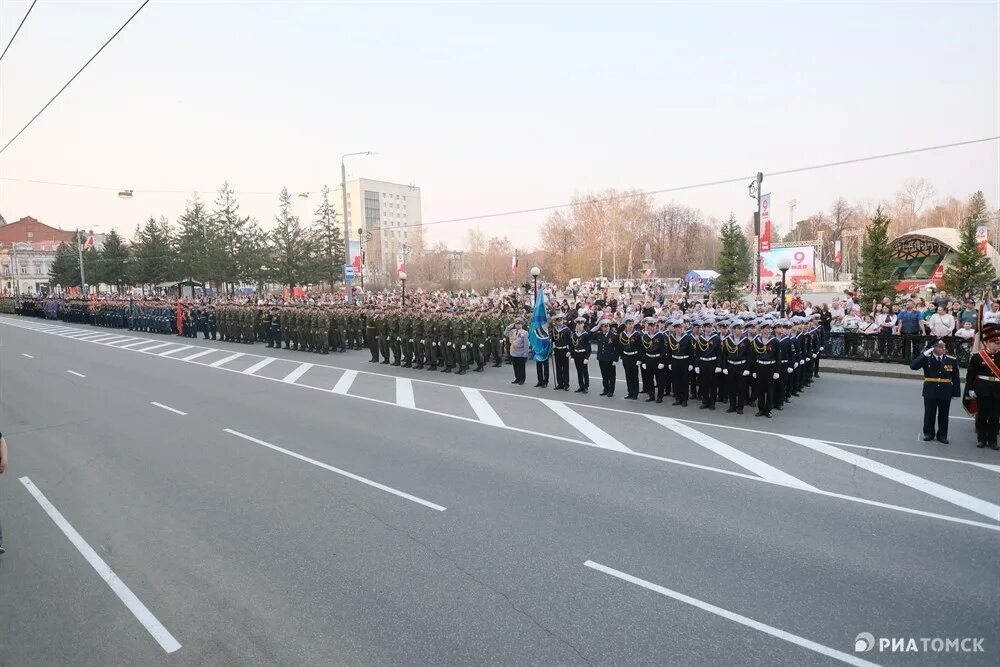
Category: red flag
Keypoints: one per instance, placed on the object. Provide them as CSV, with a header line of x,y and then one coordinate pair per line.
x,y
180,317
89,243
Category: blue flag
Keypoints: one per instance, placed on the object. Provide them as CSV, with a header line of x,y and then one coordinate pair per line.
x,y
538,333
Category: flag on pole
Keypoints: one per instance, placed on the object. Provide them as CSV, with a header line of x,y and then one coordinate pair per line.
x,y
89,243
513,263
538,334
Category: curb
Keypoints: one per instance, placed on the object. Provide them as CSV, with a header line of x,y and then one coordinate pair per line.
x,y
874,372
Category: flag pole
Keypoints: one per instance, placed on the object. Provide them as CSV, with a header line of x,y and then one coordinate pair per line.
x,y
79,250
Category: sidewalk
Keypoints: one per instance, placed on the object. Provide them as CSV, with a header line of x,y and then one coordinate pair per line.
x,y
871,368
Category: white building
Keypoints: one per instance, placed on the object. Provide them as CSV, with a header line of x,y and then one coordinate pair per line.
x,y
389,214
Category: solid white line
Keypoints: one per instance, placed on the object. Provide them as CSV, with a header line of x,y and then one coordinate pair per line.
x,y
194,356
969,419
344,383
176,349
987,466
404,393
226,360
740,458
589,429
297,373
259,365
481,407
79,375
732,616
350,475
134,604
945,493
27,355
168,408
154,347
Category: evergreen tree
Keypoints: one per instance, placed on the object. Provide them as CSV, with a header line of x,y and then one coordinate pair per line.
x,y
971,270
154,253
229,228
65,269
734,262
113,267
254,253
198,246
327,241
877,275
291,248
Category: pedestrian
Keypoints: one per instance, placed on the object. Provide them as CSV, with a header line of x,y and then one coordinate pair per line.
x,y
3,467
941,384
519,350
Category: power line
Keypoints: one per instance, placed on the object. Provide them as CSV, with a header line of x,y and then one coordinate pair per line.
x,y
25,18
66,85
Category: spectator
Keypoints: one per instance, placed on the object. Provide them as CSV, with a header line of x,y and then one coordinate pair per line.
x,y
837,342
928,311
942,299
885,320
966,333
797,305
908,324
992,315
941,323
969,314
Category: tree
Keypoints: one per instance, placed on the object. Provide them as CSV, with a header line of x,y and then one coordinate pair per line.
x,y
291,249
65,269
113,267
734,262
877,274
971,270
230,229
198,245
327,240
154,253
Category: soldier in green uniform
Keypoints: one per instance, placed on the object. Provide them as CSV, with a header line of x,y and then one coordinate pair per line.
x,y
406,338
417,329
477,338
383,336
371,335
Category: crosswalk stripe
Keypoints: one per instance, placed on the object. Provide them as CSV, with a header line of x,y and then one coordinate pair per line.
x,y
138,342
103,337
115,339
297,373
192,357
598,436
226,360
154,347
344,383
945,493
740,458
259,365
481,407
404,393
176,349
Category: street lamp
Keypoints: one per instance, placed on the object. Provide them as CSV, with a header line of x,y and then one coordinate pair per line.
x,y
303,196
124,194
402,282
534,274
347,227
784,263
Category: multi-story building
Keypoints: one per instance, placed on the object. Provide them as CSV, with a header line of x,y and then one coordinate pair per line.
x,y
27,250
389,217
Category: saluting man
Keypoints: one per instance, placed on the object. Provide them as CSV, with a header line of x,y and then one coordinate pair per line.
x,y
982,383
941,384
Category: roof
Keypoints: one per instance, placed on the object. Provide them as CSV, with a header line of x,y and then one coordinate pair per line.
x,y
29,229
704,273
946,236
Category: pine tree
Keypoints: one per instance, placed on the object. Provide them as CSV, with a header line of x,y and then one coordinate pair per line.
x,y
197,244
229,228
327,241
877,274
154,253
254,253
113,267
291,249
734,262
971,270
65,269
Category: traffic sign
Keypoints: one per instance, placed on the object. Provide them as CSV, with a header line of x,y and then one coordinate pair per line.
x,y
348,273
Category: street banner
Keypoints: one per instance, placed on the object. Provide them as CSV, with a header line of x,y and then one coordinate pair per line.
x,y
802,258
513,263
765,222
400,263
836,252
355,255
982,238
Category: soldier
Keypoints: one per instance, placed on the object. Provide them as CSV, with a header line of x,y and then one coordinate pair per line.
x,y
383,336
941,384
651,356
477,340
371,334
580,351
766,361
708,346
661,370
406,339
607,357
418,331
982,385
560,351
629,347
736,356
323,331
460,340
680,347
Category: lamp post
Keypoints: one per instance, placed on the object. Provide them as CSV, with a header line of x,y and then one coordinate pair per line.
x,y
349,291
534,275
402,283
784,263
755,193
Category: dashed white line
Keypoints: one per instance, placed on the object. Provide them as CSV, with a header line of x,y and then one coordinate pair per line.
x,y
79,375
732,616
133,603
24,354
597,435
226,360
350,475
192,357
344,383
481,407
168,408
297,373
176,349
404,393
259,365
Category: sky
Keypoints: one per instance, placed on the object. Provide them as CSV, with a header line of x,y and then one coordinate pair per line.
x,y
492,107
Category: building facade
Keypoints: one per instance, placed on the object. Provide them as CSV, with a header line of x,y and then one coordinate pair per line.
x,y
27,249
389,217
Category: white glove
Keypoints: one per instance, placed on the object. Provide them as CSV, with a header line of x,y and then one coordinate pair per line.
x,y
690,368
421,342
754,376
718,370
971,394
660,366
398,338
643,366
746,373
725,371
463,347
815,355
449,344
775,376
388,337
928,352
790,370
482,345
697,370
585,361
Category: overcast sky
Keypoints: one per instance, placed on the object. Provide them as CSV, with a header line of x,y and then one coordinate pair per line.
x,y
493,106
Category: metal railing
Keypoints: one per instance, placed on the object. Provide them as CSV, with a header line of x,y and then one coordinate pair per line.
x,y
892,349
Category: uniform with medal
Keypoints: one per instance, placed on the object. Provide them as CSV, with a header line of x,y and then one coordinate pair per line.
x,y
982,387
941,384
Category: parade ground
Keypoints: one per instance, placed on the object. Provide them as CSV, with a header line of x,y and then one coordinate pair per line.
x,y
182,501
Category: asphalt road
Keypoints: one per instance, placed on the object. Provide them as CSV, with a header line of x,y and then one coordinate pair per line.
x,y
265,512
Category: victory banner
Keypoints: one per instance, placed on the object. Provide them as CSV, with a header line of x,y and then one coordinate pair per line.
x,y
836,252
982,238
802,258
765,222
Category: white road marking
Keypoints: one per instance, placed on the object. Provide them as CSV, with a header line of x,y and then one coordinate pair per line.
x,y
115,339
192,357
846,658
176,349
133,603
144,341
987,466
404,393
968,419
168,408
589,429
226,360
259,365
344,383
481,407
349,475
153,347
297,373
740,458
102,338
82,335
23,354
79,375
945,493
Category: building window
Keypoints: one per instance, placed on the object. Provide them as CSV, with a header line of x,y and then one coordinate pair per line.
x,y
373,209
31,235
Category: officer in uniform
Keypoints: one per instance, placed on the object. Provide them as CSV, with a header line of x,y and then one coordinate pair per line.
x,y
560,350
607,357
680,347
652,356
766,361
709,345
629,347
941,384
736,353
982,384
580,351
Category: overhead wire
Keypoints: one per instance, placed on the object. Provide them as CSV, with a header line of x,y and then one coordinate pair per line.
x,y
25,18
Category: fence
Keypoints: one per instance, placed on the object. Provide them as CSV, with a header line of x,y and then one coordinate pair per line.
x,y
889,348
